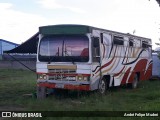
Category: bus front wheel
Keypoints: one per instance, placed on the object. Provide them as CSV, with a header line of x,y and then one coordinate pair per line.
x,y
103,86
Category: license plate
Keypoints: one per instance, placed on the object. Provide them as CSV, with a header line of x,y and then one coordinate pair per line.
x,y
58,85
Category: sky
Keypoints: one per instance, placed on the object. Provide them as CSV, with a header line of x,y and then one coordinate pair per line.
x,y
20,19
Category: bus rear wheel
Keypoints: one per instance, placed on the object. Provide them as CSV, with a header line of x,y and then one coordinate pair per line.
x,y
134,83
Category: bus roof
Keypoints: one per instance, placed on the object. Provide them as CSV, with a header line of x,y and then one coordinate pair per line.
x,y
76,29
64,29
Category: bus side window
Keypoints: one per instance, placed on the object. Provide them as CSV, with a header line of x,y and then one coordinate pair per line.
x,y
144,44
96,49
131,48
131,42
118,40
118,43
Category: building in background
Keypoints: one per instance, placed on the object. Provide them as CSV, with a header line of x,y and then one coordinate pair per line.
x,y
17,60
6,45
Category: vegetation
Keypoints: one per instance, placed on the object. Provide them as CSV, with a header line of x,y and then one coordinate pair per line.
x,y
158,1
17,87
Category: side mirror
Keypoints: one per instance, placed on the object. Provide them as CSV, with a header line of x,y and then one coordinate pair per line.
x,y
95,42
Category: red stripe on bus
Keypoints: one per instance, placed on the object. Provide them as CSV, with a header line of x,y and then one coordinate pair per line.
x,y
107,63
125,76
119,72
66,86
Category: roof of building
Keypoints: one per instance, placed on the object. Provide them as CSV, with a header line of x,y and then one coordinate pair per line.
x,y
9,42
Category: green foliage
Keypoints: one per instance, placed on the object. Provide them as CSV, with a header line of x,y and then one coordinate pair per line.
x,y
158,1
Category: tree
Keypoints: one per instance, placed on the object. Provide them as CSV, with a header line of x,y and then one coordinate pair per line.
x,y
158,1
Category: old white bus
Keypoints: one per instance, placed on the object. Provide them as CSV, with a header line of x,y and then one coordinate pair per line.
x,y
80,57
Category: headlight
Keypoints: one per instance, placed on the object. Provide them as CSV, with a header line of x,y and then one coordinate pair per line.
x,y
43,77
86,78
79,78
40,77
82,78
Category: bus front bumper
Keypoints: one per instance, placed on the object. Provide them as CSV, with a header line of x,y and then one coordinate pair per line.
x,y
70,85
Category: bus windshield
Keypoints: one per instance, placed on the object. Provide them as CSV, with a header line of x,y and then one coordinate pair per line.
x,y
64,48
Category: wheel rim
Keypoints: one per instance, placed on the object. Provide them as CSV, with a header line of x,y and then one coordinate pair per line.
x,y
102,87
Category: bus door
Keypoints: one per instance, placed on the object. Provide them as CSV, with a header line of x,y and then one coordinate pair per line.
x,y
96,60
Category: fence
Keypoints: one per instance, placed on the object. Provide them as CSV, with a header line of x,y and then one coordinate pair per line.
x,y
11,61
17,65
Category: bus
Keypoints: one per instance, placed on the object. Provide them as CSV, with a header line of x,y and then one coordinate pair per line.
x,y
86,58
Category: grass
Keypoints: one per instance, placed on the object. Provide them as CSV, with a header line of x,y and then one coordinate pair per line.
x,y
14,84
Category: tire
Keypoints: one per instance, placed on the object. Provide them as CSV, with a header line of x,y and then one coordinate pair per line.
x,y
134,84
41,92
102,87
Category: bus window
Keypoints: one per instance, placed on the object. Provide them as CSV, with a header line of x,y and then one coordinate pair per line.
x,y
118,40
144,44
131,42
96,49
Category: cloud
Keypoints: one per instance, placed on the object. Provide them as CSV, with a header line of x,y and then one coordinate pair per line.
x,y
18,26
53,4
123,16
50,4
5,6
